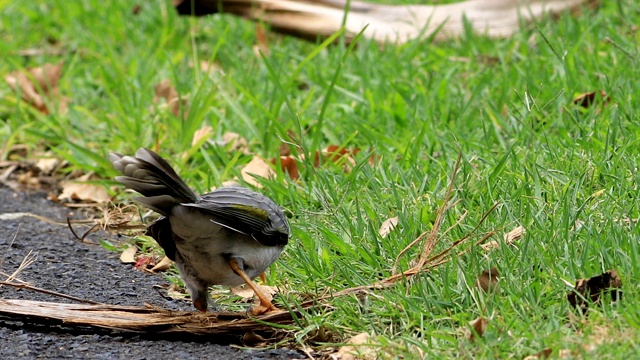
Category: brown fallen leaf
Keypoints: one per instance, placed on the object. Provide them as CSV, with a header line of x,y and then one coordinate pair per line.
x,y
257,167
177,105
542,354
593,289
246,293
162,265
128,256
488,280
356,348
47,165
201,135
388,226
289,165
250,338
235,142
35,85
509,238
211,67
476,328
586,100
261,45
176,292
82,190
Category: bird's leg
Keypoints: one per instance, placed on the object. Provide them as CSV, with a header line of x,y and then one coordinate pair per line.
x,y
199,298
263,277
237,265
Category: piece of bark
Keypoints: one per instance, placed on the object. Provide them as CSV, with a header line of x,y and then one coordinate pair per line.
x,y
137,319
386,23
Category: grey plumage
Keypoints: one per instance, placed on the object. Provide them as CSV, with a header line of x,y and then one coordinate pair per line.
x,y
203,233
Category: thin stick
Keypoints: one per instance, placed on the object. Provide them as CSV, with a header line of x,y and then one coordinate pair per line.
x,y
49,292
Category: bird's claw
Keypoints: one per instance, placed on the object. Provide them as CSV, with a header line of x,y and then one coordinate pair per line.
x,y
261,309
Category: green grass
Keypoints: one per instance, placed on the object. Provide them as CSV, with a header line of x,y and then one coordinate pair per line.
x,y
415,106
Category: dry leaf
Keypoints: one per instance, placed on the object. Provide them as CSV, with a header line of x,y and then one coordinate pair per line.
x,y
509,238
201,135
250,338
543,354
162,265
246,293
235,142
476,328
585,100
593,289
83,191
289,165
144,262
284,149
211,67
261,42
488,280
164,91
47,165
338,155
37,84
228,183
257,167
355,348
577,225
128,256
565,354
388,226
176,292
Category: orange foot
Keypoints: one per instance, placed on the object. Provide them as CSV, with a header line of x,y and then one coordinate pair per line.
x,y
265,304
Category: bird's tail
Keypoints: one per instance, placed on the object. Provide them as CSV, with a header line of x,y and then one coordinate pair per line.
x,y
153,177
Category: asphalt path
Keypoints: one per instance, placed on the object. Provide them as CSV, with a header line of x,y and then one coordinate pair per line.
x,y
90,272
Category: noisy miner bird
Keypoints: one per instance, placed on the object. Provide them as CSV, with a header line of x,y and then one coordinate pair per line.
x,y
225,237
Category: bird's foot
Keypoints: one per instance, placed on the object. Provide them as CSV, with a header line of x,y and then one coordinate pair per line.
x,y
261,309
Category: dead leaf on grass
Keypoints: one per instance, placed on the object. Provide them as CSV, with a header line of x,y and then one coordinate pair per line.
x,y
211,67
128,256
176,104
586,100
261,45
509,238
201,135
356,348
36,85
289,166
388,226
246,293
593,288
257,167
476,328
235,142
488,280
542,354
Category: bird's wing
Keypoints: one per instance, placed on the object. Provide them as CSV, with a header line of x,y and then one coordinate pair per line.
x,y
246,212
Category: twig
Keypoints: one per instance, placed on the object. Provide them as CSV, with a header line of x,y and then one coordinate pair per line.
x,y
49,292
433,233
94,228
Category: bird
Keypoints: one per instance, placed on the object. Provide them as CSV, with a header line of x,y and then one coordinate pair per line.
x,y
225,237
